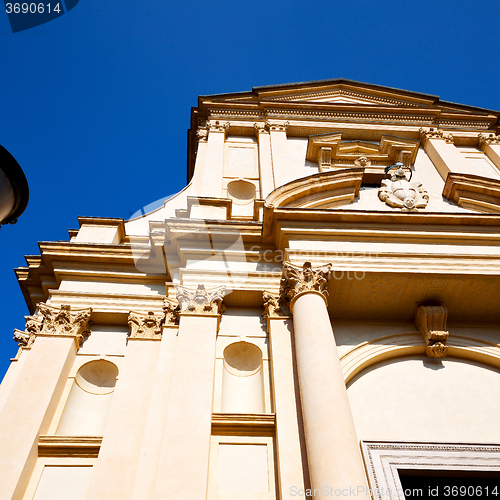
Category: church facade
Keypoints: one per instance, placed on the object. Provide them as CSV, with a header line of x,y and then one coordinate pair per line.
x,y
315,315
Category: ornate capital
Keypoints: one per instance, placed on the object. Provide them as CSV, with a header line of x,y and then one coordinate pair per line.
x,y
260,128
57,321
272,306
201,301
298,279
145,326
171,311
486,139
217,126
434,133
202,134
277,127
431,321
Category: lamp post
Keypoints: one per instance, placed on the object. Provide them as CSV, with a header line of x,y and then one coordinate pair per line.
x,y
14,191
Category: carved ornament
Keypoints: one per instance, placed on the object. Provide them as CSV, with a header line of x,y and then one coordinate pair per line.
x,y
202,134
486,139
398,192
217,126
273,306
431,321
56,321
171,310
299,279
362,161
435,133
260,128
277,127
145,326
201,301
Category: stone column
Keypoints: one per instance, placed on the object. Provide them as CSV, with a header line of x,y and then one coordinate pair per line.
x,y
52,338
442,152
115,471
279,152
490,144
267,182
333,449
185,448
291,458
213,166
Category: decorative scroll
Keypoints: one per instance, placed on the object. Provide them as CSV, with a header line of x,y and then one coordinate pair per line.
x,y
171,310
200,301
57,321
145,326
486,139
298,279
435,133
431,321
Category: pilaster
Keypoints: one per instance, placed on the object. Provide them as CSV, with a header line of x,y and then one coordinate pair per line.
x,y
490,144
186,439
267,181
442,152
279,151
53,337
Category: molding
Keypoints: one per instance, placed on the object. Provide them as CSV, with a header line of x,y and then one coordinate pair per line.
x,y
298,280
243,424
324,190
383,459
69,446
431,321
145,326
473,192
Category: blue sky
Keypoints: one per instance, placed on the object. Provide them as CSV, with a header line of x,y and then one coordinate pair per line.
x,y
95,105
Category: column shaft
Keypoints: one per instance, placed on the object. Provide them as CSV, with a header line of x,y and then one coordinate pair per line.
x,y
332,446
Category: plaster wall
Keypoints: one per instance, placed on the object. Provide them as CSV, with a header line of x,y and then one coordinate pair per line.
x,y
424,399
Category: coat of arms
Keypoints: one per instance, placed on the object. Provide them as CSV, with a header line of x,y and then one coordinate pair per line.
x,y
399,192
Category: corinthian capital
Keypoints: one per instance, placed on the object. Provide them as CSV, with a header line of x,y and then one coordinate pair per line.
x,y
200,301
56,321
217,126
298,279
431,321
486,139
434,133
145,326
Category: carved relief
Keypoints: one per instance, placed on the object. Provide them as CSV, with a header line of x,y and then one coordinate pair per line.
x,y
272,305
298,279
431,321
55,321
435,133
486,139
218,126
398,192
260,128
145,326
200,301
277,127
202,134
171,310
33,327
362,161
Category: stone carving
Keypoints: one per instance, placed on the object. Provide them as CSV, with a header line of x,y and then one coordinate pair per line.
x,y
200,301
431,321
145,326
260,128
171,311
435,133
277,127
202,134
33,327
398,192
298,279
486,139
55,321
272,305
362,161
218,126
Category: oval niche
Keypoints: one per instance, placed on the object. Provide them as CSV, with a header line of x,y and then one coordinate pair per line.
x,y
241,192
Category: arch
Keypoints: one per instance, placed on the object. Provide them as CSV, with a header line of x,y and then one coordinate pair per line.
x,y
408,344
324,190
